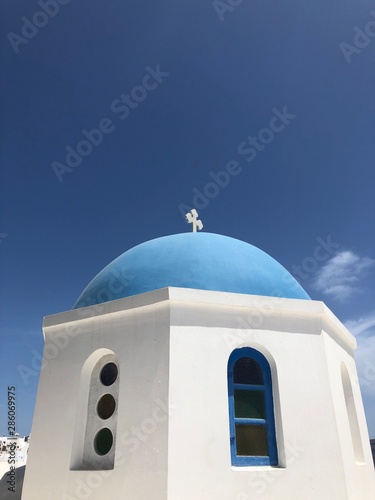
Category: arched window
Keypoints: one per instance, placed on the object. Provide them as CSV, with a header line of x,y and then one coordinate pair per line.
x,y
352,415
251,415
96,421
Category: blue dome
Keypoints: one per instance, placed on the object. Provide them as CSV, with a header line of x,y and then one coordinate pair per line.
x,y
202,261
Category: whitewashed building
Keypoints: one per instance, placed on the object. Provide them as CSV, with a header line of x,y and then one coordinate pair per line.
x,y
195,367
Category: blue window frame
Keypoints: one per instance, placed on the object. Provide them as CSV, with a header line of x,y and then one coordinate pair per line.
x,y
251,415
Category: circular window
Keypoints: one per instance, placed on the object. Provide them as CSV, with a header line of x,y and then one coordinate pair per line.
x,y
106,406
108,375
103,441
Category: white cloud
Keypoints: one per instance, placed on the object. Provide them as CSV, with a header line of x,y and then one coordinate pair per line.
x,y
364,325
340,276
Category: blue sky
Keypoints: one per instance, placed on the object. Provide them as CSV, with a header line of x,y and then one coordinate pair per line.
x,y
278,95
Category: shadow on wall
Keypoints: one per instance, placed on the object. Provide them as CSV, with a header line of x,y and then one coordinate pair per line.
x,y
5,493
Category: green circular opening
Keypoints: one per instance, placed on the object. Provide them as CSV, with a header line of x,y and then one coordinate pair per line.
x,y
103,441
106,406
108,375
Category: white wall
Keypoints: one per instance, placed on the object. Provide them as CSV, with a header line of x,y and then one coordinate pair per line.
x,y
290,335
358,471
139,338
172,442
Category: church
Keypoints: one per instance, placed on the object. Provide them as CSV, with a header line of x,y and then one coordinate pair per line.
x,y
195,367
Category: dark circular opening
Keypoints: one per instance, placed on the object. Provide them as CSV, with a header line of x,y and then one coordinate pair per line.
x,y
108,375
103,441
106,406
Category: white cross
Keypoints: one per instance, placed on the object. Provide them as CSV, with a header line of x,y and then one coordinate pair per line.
x,y
192,218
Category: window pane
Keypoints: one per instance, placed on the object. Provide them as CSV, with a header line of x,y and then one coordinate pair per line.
x,y
103,441
108,375
106,406
249,404
247,371
251,440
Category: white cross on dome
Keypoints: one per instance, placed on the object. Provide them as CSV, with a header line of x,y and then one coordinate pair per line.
x,y
192,218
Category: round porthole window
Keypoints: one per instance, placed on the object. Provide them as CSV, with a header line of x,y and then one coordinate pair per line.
x,y
103,441
106,406
109,373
